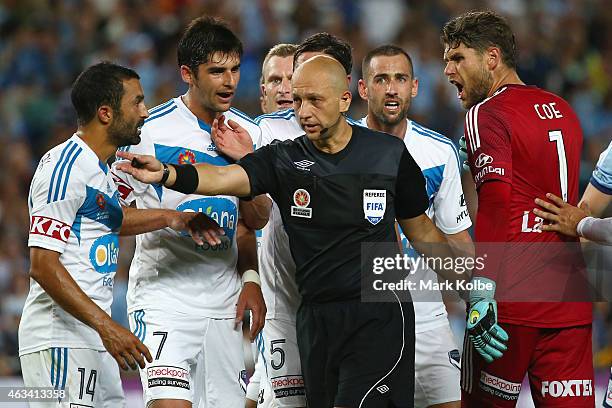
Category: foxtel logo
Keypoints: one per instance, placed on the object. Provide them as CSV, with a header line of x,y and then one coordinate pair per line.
x,y
567,388
50,228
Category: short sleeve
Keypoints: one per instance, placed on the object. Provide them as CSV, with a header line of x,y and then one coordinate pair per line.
x,y
602,175
450,209
261,169
51,214
410,193
489,146
127,186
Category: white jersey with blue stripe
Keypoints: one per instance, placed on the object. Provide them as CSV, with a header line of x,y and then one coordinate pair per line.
x,y
169,271
438,159
602,175
276,265
74,210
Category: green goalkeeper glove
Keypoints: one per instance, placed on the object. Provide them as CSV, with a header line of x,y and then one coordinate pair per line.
x,y
486,335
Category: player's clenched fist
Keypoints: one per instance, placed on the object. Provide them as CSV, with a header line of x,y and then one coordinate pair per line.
x,y
144,168
123,345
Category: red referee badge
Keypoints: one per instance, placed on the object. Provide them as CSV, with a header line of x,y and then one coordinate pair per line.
x,y
301,199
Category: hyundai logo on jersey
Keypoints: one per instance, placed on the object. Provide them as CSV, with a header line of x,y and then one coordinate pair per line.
x,y
104,253
222,210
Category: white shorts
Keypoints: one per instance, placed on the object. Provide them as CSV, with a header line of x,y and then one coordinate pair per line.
x,y
89,377
279,351
259,389
436,367
195,359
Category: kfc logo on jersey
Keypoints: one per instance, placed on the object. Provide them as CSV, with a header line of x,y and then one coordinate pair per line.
x,y
301,199
374,205
482,160
50,228
567,388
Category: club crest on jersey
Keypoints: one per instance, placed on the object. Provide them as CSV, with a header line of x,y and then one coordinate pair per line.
x,y
101,201
187,157
374,205
301,199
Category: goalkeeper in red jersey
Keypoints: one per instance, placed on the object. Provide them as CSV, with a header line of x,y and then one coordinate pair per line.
x,y
522,142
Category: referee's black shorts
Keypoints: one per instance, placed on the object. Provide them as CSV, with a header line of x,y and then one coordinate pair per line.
x,y
357,354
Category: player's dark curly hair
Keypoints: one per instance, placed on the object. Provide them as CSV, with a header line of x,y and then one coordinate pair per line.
x,y
327,44
480,30
100,84
204,37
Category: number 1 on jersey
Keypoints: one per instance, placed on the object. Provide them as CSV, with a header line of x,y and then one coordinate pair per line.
x,y
557,137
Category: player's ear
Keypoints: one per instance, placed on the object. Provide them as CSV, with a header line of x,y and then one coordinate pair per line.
x,y
186,74
105,114
345,101
363,89
493,57
415,88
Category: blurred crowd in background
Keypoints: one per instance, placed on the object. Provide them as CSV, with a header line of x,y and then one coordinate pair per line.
x,y
564,46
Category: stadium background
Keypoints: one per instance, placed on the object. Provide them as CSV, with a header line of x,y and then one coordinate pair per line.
x,y
564,46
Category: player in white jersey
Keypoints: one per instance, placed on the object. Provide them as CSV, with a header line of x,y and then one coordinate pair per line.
x,y
276,73
67,339
184,299
388,85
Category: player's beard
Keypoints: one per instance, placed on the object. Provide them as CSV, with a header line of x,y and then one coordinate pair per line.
x,y
124,133
482,83
391,120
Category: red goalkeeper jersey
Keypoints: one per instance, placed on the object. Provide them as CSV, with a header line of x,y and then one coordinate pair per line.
x,y
524,142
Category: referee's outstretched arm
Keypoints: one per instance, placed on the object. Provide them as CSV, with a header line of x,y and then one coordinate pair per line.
x,y
202,178
429,241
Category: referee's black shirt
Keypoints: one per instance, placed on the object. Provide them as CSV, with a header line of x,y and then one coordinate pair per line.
x,y
331,203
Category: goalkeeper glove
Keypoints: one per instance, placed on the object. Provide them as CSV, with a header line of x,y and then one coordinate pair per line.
x,y
486,335
463,155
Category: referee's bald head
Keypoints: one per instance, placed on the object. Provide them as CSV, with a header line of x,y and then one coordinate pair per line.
x,y
322,70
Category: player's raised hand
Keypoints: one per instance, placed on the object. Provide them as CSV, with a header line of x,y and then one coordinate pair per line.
x,y
230,138
252,299
142,167
564,217
200,226
126,348
488,338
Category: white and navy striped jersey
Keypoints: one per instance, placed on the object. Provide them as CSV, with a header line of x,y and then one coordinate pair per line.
x,y
169,271
276,266
602,175
438,159
74,210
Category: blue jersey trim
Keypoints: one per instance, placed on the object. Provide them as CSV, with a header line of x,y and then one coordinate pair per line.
x,y
159,115
284,114
64,374
57,165
60,174
204,126
53,366
436,136
160,107
242,115
600,187
68,170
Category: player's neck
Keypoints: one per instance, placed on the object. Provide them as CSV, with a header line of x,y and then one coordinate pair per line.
x,y
398,129
505,77
205,115
339,137
97,140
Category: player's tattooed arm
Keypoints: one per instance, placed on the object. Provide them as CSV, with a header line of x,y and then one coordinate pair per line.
x,y
52,276
199,226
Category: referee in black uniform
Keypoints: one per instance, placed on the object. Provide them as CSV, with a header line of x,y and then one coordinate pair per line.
x,y
337,187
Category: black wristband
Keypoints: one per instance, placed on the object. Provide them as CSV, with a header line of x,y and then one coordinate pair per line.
x,y
165,175
187,179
